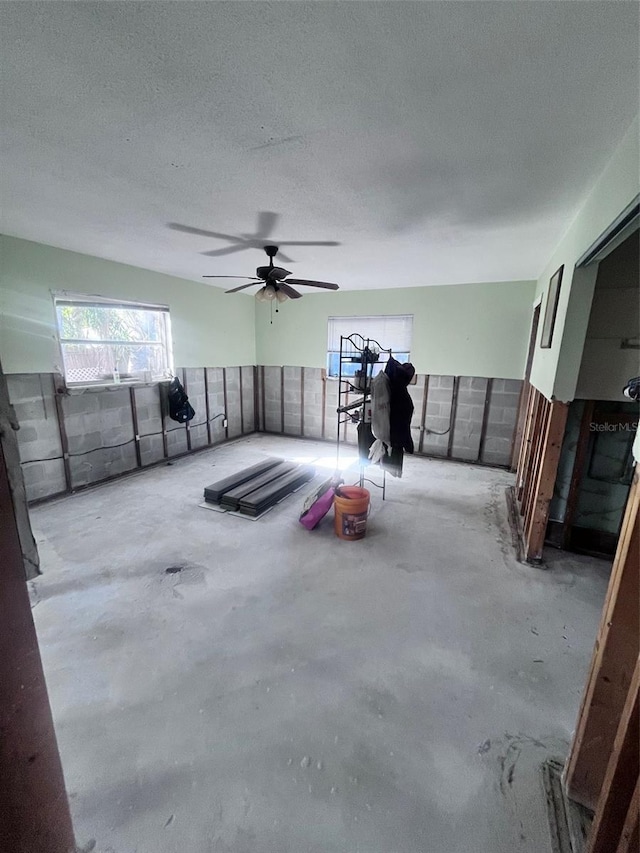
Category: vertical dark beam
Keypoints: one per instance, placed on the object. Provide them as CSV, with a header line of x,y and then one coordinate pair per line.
x,y
241,402
302,401
423,416
485,418
64,441
34,816
207,408
224,393
282,399
187,425
136,430
264,406
162,397
452,417
324,399
256,399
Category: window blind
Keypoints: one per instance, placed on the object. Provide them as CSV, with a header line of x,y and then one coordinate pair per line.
x,y
392,332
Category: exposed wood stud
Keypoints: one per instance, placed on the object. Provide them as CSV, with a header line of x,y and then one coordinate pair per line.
x,y
207,406
241,401
485,418
136,429
621,777
556,421
282,399
264,408
256,406
630,835
423,416
452,417
187,425
226,409
64,440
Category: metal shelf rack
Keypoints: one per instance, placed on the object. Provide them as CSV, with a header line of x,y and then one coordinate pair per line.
x,y
365,352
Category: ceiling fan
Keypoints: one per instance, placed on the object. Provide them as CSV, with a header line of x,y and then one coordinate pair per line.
x,y
267,220
276,284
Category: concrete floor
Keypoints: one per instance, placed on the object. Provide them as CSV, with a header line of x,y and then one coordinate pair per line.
x,y
288,692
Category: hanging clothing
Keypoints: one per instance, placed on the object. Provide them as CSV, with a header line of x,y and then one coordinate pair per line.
x,y
400,403
380,402
400,414
365,440
392,462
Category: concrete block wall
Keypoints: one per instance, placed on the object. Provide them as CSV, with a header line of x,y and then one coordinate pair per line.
x,y
483,426
149,414
313,381
501,423
33,398
215,392
194,385
272,399
99,425
470,409
100,435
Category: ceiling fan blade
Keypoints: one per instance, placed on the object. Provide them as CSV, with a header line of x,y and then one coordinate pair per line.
x,y
200,232
308,243
327,285
290,291
241,287
228,250
285,258
266,223
245,277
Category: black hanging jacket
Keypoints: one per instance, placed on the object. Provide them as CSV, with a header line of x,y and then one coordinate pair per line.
x,y
180,409
400,404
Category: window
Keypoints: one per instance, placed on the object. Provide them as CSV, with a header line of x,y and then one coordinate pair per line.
x,y
392,332
106,341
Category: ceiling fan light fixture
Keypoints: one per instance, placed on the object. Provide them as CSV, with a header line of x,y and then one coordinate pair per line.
x,y
260,295
281,296
269,292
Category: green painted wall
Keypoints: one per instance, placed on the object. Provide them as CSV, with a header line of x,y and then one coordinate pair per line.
x,y
209,328
555,371
466,330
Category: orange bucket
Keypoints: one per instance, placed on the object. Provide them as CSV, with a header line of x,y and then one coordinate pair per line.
x,y
351,507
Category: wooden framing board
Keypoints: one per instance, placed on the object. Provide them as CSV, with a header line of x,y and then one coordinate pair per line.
x,y
630,836
556,419
207,405
621,778
136,430
614,657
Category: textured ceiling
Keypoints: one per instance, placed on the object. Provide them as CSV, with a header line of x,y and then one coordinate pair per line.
x,y
438,142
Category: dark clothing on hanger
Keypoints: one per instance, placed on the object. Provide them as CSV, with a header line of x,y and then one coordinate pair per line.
x,y
365,440
393,462
400,404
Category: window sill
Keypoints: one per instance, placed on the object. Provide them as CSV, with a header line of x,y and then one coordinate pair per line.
x,y
74,389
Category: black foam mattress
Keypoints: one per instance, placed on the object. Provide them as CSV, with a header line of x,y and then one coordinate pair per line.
x,y
231,498
215,491
261,499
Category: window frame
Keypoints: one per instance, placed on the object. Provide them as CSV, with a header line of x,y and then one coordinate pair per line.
x,y
94,300
358,322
